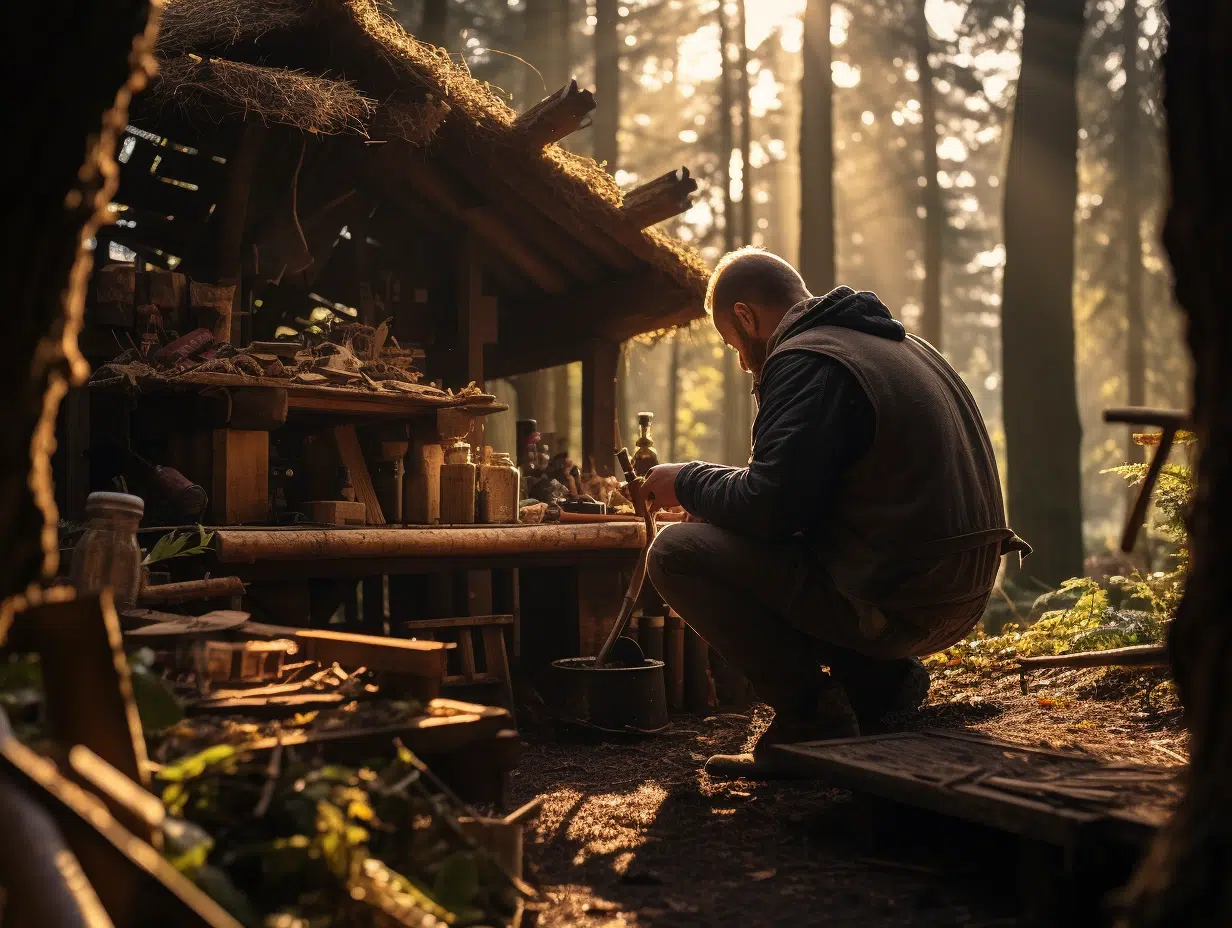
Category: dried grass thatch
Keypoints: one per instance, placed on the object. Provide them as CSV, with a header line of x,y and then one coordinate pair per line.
x,y
372,52
290,98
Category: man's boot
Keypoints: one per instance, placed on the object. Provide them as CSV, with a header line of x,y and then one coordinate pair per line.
x,y
825,715
884,688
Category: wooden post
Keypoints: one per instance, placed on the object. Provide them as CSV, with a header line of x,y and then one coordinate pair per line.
x,y
476,326
599,368
241,476
231,215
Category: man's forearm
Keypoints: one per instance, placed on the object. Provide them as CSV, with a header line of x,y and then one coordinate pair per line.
x,y
725,496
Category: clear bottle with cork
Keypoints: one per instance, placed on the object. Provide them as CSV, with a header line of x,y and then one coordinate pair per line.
x,y
499,488
458,479
645,457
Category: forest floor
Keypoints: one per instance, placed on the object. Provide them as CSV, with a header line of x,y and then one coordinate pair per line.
x,y
635,834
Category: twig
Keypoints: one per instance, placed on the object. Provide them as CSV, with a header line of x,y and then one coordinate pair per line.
x,y
295,205
1163,750
272,772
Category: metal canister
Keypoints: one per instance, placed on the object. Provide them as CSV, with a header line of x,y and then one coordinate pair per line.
x,y
107,555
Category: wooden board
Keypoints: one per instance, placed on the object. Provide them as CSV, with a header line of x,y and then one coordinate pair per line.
x,y
1049,796
338,511
241,476
389,655
352,457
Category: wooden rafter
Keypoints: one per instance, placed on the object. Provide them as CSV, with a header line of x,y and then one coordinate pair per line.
x,y
556,116
662,198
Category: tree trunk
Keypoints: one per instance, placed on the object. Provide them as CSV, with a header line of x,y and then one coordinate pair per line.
x,y
817,151
607,84
673,398
1131,190
746,125
934,210
74,58
434,24
727,132
1184,879
545,45
1043,434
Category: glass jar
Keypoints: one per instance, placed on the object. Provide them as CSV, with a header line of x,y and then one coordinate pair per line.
x,y
499,485
458,485
107,554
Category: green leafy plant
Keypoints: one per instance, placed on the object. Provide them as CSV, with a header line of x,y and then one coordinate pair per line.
x,y
176,544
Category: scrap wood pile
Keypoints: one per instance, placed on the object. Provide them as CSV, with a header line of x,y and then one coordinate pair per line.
x,y
294,791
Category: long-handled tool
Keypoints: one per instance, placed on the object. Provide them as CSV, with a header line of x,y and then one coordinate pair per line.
x,y
630,652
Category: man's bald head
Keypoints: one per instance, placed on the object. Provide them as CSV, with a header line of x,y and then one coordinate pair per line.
x,y
749,294
757,278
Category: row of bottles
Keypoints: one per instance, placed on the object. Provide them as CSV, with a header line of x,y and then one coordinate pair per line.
x,y
487,492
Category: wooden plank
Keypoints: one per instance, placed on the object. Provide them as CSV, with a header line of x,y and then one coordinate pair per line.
x,y
466,650
240,477
473,621
353,457
88,696
337,511
240,546
392,655
1143,655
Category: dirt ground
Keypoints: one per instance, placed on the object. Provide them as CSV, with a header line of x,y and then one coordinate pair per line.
x,y
635,834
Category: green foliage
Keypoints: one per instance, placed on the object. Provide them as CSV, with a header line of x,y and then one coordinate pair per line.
x,y
175,544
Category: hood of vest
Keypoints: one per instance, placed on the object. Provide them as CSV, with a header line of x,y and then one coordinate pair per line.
x,y
841,307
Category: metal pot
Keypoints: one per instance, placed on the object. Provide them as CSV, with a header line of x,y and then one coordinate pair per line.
x,y
612,699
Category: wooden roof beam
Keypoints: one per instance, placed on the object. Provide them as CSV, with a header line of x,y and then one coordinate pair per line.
x,y
555,116
662,198
395,165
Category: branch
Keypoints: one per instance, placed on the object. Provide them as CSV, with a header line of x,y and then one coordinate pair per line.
x,y
659,199
555,116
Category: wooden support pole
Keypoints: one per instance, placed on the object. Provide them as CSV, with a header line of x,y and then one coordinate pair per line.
x,y
599,368
555,116
230,218
667,195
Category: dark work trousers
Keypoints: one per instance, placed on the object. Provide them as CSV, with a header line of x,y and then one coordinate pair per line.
x,y
774,614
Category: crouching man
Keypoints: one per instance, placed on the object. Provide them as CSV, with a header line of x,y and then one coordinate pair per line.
x,y
867,528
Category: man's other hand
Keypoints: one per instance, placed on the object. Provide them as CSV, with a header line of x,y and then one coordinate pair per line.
x,y
660,487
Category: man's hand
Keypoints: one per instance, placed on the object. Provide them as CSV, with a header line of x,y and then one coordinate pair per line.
x,y
660,487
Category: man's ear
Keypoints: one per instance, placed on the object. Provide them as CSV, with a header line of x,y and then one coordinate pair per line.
x,y
746,317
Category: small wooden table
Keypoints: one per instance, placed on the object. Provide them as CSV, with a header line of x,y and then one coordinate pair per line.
x,y
563,583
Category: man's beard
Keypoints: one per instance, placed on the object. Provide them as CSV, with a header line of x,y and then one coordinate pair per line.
x,y
753,349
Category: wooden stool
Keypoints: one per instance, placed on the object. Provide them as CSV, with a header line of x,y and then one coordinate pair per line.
x,y
496,658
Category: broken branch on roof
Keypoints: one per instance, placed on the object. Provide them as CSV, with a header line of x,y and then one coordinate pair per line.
x,y
556,116
662,198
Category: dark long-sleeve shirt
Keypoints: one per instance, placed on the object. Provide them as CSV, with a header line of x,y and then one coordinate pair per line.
x,y
814,422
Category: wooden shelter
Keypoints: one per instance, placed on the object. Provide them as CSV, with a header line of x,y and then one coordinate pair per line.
x,y
313,153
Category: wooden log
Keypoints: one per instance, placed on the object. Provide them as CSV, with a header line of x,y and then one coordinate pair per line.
x,y
1145,415
352,457
191,591
338,511
674,658
240,546
422,488
1144,655
654,201
240,491
555,116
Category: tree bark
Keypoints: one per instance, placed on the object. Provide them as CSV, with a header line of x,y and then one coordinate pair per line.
x,y
817,262
1135,311
607,84
931,329
746,123
72,106
434,23
1043,434
1184,880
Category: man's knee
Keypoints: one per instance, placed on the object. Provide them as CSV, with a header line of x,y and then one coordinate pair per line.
x,y
686,549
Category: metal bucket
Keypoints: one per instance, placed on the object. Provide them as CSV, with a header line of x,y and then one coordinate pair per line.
x,y
620,700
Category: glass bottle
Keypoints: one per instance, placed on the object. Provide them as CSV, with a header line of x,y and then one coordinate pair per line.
x,y
645,457
107,554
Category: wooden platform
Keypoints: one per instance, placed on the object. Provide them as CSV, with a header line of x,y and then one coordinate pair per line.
x,y
1054,797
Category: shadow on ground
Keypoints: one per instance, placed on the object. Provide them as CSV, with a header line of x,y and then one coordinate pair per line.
x,y
633,833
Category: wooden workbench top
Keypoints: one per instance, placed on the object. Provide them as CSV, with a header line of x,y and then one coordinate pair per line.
x,y
250,545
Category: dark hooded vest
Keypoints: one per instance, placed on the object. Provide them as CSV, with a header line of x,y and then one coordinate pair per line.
x,y
927,489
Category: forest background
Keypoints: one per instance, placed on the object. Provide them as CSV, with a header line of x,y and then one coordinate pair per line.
x,y
877,153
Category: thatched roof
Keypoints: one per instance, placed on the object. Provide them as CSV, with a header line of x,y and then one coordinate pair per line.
x,y
345,66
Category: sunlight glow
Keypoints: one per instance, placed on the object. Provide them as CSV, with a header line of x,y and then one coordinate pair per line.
x,y
844,74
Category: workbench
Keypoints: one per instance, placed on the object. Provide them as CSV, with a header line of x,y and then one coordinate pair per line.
x,y
562,582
